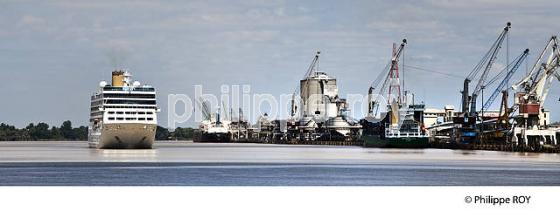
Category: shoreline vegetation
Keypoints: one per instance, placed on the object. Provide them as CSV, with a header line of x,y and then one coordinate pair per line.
x,y
66,132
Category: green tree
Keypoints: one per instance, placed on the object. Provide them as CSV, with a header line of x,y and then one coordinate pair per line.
x,y
81,133
11,133
183,133
56,134
67,131
31,130
41,131
162,133
8,132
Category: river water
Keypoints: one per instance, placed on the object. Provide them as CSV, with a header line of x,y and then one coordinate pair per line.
x,y
205,164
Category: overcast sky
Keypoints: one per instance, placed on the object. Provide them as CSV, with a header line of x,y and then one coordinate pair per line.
x,y
54,53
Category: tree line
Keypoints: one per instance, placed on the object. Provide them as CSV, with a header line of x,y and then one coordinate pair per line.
x,y
178,134
42,131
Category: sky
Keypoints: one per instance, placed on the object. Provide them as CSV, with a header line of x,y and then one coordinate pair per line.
x,y
54,53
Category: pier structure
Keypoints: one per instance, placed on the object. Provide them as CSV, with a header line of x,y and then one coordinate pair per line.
x,y
319,116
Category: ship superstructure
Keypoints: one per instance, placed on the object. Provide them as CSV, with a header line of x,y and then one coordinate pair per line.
x,y
123,114
215,127
401,127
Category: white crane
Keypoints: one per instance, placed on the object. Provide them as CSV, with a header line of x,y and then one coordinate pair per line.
x,y
204,108
537,83
529,126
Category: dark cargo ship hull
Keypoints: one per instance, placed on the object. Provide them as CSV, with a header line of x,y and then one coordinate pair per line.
x,y
403,142
212,137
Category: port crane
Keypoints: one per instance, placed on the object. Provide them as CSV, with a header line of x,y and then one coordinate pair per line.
x,y
468,116
536,84
502,122
505,82
530,126
204,108
390,74
468,103
206,111
395,85
310,70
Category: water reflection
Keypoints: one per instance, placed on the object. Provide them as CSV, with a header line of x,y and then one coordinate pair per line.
x,y
465,152
127,153
259,153
395,151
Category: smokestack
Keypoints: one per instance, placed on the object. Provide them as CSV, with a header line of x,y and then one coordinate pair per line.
x,y
118,78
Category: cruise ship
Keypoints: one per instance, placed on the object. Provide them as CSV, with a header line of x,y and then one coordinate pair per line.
x,y
123,114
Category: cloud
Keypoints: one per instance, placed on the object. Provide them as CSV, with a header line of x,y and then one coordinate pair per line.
x,y
421,58
31,20
268,44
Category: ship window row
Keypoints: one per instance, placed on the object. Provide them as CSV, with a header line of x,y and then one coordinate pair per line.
x,y
130,118
127,95
132,106
130,112
112,88
145,102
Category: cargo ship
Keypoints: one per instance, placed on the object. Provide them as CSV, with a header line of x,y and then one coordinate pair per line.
x,y
400,128
123,114
402,125
214,128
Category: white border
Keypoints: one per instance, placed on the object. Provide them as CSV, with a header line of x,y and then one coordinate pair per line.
x,y
269,198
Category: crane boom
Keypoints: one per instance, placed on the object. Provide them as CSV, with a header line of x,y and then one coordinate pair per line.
x,y
468,102
395,83
390,79
537,83
517,62
310,70
313,65
492,54
204,109
397,55
550,70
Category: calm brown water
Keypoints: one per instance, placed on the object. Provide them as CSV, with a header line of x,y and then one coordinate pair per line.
x,y
187,163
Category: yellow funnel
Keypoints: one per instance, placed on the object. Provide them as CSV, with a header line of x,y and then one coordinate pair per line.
x,y
118,78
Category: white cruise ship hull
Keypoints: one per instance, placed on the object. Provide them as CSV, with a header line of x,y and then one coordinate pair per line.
x,y
123,136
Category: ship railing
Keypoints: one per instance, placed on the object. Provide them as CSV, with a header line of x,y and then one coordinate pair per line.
x,y
392,132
